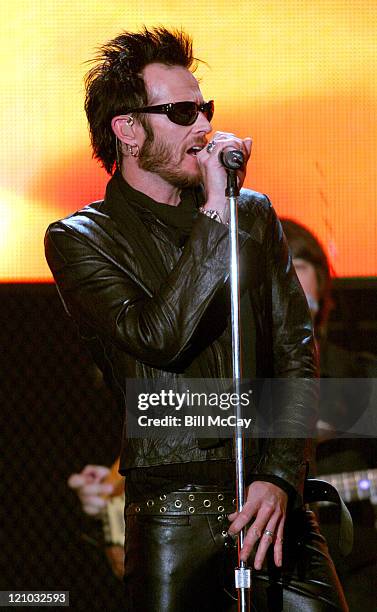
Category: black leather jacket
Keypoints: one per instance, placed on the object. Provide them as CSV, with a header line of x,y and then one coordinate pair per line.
x,y
146,320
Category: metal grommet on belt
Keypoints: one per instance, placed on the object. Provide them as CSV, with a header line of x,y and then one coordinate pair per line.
x,y
182,502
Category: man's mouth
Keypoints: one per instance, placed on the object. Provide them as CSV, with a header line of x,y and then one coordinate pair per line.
x,y
194,150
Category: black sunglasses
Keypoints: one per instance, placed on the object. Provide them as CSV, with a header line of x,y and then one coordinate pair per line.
x,y
182,113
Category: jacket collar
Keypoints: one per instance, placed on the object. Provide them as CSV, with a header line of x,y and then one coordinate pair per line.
x,y
126,215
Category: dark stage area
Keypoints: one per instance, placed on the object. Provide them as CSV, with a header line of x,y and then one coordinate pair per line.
x,y
58,416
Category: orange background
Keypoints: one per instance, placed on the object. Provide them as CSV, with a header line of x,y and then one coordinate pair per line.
x,y
296,75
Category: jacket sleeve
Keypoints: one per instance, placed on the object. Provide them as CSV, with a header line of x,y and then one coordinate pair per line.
x,y
294,366
155,328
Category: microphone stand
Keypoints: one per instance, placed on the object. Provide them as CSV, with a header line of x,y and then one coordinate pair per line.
x,y
242,572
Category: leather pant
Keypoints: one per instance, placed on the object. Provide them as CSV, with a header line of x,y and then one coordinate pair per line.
x,y
186,563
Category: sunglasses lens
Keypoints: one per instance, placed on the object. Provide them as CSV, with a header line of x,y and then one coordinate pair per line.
x,y
209,109
183,113
186,113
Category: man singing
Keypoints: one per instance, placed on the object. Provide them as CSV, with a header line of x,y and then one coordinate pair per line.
x,y
144,273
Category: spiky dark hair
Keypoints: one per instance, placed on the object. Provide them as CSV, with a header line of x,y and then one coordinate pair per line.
x,y
116,83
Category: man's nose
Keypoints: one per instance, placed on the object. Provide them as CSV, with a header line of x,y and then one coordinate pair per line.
x,y
202,124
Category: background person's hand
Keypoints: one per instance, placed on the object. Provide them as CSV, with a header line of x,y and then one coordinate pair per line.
x,y
91,489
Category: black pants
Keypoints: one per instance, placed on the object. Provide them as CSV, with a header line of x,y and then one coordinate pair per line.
x,y
186,563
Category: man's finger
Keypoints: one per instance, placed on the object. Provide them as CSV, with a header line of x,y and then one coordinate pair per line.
x,y
248,144
267,537
95,489
278,548
248,511
254,533
240,519
93,506
75,481
95,472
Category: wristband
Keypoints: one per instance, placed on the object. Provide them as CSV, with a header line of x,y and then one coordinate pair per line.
x,y
212,214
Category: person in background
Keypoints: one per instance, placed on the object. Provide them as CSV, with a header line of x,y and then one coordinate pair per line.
x,y
313,270
352,459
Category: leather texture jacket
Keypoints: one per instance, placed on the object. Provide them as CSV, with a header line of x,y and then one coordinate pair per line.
x,y
142,319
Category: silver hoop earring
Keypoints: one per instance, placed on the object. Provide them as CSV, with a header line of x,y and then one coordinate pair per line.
x,y
134,150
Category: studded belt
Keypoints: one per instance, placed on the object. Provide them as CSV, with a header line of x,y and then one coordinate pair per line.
x,y
184,502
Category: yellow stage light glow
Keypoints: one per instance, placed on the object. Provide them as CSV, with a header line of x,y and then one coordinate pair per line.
x,y
298,76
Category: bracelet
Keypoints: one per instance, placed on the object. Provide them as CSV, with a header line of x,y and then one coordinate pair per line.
x,y
212,214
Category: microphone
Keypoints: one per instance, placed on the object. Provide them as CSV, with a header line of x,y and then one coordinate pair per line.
x,y
232,160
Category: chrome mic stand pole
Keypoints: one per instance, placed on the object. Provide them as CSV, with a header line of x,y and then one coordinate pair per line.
x,y
233,161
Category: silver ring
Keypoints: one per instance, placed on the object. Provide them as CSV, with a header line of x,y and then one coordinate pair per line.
x,y
210,146
269,533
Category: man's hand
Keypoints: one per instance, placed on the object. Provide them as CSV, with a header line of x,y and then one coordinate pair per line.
x,y
91,489
267,504
214,173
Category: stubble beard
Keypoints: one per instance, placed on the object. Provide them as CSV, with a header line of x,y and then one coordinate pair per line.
x,y
156,156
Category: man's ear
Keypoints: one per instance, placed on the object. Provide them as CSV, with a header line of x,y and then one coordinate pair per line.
x,y
123,128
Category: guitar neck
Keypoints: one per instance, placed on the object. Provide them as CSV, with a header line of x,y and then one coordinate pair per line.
x,y
354,486
113,521
115,479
